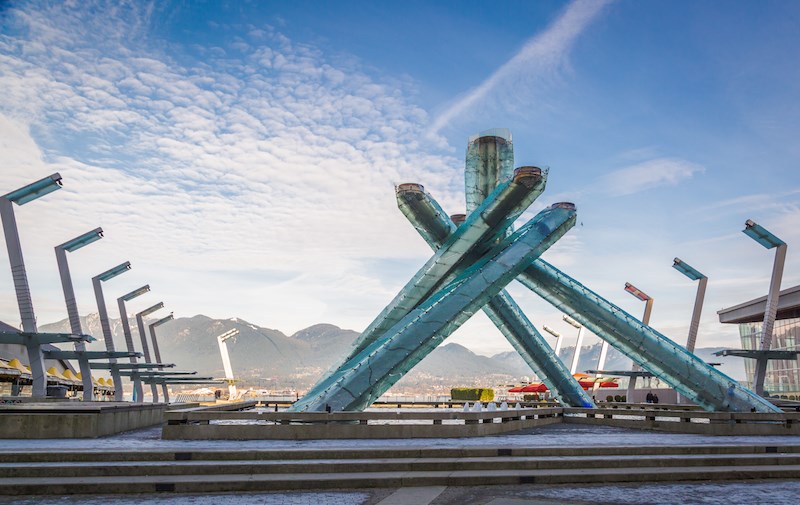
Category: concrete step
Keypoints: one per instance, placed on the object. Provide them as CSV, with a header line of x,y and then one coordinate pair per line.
x,y
287,466
207,471
315,481
384,453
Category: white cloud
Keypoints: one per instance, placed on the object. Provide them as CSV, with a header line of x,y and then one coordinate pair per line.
x,y
650,174
225,165
773,200
538,61
18,148
257,180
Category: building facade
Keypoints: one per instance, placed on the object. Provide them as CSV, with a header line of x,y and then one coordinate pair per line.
x,y
783,376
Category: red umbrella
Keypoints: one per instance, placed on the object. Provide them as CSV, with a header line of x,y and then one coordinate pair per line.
x,y
590,384
534,388
541,388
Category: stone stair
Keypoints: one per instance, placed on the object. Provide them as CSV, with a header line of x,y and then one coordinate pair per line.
x,y
242,470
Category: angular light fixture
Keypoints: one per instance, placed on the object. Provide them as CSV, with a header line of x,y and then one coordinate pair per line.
x,y
113,272
552,331
686,269
572,322
630,288
85,239
34,190
761,235
136,292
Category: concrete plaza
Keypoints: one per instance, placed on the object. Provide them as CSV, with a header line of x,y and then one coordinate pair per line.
x,y
727,492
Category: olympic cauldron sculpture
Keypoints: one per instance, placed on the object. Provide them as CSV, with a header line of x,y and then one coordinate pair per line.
x,y
475,256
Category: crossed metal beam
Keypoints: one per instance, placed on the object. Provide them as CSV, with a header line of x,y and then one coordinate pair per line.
x,y
465,275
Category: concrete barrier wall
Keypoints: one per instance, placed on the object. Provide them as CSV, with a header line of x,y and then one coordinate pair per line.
x,y
225,423
344,431
79,420
206,424
685,421
236,422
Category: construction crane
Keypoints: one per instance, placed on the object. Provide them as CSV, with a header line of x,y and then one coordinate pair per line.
x,y
226,361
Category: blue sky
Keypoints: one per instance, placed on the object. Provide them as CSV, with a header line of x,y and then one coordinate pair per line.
x,y
242,155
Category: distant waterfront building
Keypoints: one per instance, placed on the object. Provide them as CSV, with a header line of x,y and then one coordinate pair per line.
x,y
783,376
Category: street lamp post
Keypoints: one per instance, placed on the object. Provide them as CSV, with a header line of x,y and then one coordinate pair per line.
x,y
226,361
648,309
104,323
577,354
601,361
693,274
648,306
126,330
22,196
559,339
157,352
72,306
142,335
769,241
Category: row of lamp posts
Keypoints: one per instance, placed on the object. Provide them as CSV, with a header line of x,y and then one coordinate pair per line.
x,y
753,230
49,184
27,194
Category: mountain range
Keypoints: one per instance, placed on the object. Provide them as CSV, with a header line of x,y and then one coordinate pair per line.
x,y
267,358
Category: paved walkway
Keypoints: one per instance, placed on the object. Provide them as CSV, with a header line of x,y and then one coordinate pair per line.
x,y
712,493
413,496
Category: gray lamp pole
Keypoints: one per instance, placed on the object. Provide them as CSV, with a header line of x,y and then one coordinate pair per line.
x,y
22,196
157,352
648,309
648,305
688,271
126,330
142,335
104,323
72,306
770,241
226,361
577,354
559,339
601,361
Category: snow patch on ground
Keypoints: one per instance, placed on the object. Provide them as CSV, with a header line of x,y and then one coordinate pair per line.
x,y
714,493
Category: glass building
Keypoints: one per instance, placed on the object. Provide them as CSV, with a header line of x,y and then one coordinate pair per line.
x,y
783,376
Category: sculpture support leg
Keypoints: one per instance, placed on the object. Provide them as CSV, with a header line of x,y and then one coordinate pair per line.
x,y
670,362
370,373
483,227
433,224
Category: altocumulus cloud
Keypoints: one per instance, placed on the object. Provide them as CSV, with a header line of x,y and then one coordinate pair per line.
x,y
259,151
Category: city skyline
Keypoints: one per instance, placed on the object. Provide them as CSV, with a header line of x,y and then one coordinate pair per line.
x,y
243,156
